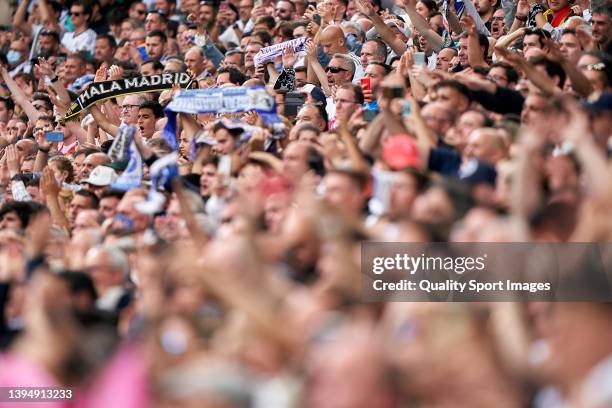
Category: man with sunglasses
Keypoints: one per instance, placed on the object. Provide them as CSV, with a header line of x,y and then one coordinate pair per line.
x,y
138,11
82,38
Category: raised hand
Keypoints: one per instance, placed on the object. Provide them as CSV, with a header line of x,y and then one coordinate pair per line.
x,y
289,57
12,160
48,183
101,73
522,9
365,7
115,72
469,25
310,49
406,63
45,68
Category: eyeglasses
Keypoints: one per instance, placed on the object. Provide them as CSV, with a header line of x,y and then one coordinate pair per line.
x,y
598,66
335,70
126,107
496,78
76,13
282,10
141,12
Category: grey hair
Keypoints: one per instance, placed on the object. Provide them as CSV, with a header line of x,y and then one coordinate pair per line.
x,y
198,49
117,259
355,26
348,62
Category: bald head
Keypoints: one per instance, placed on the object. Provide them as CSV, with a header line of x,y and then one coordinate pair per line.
x,y
486,144
332,40
91,162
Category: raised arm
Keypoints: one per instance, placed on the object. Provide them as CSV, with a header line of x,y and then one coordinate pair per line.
x,y
103,121
19,96
315,69
422,26
19,18
385,32
475,57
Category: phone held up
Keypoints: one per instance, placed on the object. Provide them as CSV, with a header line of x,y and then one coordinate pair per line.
x,y
54,136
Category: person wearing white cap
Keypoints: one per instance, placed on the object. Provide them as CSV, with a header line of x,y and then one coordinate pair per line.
x,y
100,179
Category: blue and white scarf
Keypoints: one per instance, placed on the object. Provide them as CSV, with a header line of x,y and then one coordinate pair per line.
x,y
218,101
126,148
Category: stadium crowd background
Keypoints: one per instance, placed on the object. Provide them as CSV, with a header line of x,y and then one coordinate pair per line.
x,y
409,121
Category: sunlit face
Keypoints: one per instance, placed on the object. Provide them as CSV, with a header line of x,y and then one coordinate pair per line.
x,y
209,173
153,22
146,122
570,47
155,47
225,142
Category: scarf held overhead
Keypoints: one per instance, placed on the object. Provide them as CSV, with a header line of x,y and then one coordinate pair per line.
x,y
101,91
218,101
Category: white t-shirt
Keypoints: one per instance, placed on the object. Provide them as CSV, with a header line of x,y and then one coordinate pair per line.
x,y
85,41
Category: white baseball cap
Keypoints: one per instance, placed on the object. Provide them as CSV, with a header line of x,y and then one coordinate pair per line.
x,y
101,176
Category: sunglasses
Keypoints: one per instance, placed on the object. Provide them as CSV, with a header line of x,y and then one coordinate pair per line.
x,y
335,70
141,12
76,13
598,66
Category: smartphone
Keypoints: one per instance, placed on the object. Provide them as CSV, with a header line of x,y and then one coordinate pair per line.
x,y
393,92
223,6
419,58
366,84
293,103
258,3
316,18
54,136
369,115
143,53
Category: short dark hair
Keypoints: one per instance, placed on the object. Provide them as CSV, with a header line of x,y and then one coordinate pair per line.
x,y
86,193
511,73
50,33
386,67
44,98
357,91
267,20
456,85
24,210
158,33
158,110
235,75
161,15
553,68
381,48
265,36
542,34
111,40
10,105
605,9
112,192
156,64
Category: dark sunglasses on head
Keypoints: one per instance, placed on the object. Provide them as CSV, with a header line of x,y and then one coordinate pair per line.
x,y
335,70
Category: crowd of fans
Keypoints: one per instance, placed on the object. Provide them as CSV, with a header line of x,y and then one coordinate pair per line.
x,y
405,121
